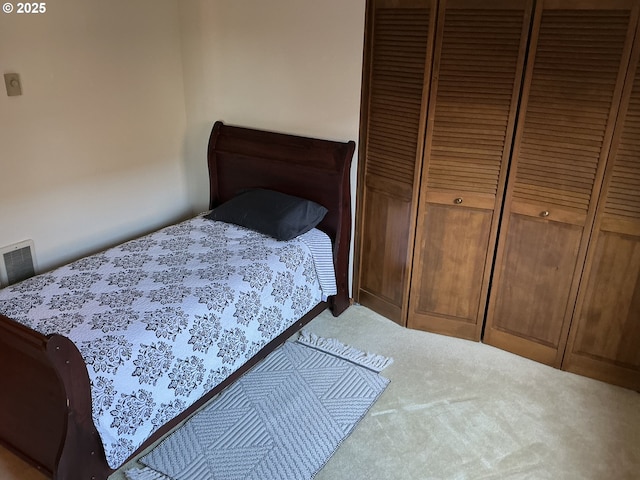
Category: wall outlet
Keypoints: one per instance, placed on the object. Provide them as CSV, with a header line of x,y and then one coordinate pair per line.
x,y
12,82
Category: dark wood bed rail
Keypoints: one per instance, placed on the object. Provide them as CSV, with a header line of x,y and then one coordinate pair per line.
x,y
45,396
47,416
25,366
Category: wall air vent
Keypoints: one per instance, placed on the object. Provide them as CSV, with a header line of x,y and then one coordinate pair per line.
x,y
17,262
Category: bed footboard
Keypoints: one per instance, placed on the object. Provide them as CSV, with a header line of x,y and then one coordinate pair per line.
x,y
45,405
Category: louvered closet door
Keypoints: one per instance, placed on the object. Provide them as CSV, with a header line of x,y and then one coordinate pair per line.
x,y
604,340
478,62
579,56
397,65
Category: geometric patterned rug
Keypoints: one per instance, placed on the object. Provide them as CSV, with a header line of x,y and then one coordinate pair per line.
x,y
282,420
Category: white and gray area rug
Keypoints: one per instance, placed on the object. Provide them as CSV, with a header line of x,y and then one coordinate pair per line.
x,y
282,420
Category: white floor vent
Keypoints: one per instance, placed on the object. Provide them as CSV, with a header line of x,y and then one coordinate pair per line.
x,y
17,262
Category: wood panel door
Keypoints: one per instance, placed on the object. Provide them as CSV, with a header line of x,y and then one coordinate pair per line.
x,y
604,341
578,58
399,42
478,63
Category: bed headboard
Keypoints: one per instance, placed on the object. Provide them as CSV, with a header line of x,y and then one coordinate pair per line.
x,y
241,158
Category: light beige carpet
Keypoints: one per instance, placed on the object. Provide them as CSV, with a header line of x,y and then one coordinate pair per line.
x,y
463,410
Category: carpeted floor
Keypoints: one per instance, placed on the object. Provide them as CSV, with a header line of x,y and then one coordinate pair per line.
x,y
463,410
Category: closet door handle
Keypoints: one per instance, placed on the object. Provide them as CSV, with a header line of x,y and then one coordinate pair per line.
x,y
458,201
544,214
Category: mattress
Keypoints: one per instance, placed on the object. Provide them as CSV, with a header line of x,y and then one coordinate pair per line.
x,y
163,319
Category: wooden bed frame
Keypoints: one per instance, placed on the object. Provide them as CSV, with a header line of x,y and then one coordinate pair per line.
x,y
45,399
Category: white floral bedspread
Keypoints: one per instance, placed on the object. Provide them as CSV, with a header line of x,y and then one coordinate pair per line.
x,y
163,319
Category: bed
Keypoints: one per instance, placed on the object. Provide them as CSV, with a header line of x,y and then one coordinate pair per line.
x,y
46,405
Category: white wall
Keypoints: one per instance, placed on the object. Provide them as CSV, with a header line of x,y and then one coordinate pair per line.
x,y
109,139
291,66
93,150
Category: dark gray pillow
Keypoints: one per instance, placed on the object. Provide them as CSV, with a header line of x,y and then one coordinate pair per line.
x,y
273,213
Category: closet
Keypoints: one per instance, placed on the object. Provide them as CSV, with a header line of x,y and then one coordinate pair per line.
x,y
499,180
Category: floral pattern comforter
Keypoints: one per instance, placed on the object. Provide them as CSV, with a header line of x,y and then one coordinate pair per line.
x,y
162,319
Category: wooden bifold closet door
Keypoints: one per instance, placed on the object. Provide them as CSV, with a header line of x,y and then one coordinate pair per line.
x,y
499,176
604,340
478,61
579,55
397,65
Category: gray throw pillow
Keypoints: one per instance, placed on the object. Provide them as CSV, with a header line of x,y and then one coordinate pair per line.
x,y
276,214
